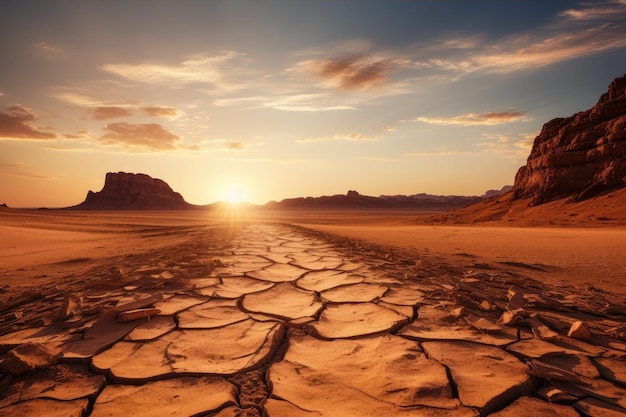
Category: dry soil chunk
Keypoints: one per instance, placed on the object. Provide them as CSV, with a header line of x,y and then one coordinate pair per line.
x,y
283,300
173,397
526,406
388,368
224,350
486,377
348,320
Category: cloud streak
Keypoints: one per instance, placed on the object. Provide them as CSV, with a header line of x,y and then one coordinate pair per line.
x,y
110,112
148,136
476,119
352,137
158,111
223,70
16,123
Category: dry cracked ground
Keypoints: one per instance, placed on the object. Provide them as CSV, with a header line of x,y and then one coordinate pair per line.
x,y
283,321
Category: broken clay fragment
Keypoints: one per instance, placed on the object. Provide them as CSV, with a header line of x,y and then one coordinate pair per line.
x,y
28,357
130,315
579,330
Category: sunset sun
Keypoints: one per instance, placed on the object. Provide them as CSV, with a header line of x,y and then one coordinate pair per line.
x,y
233,194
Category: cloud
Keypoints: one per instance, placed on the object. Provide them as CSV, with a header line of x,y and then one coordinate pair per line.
x,y
441,153
574,33
236,146
352,72
158,111
595,12
33,176
110,112
356,137
516,145
16,123
16,164
150,136
47,47
224,70
387,129
476,119
305,103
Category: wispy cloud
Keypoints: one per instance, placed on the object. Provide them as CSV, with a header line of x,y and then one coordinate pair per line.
x,y
355,137
16,164
44,46
305,103
149,136
223,70
477,119
16,123
33,176
441,153
520,144
110,112
159,111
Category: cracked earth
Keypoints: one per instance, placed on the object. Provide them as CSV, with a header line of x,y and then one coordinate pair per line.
x,y
284,321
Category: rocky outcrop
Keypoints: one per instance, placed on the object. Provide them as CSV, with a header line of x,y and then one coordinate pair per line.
x,y
579,156
126,191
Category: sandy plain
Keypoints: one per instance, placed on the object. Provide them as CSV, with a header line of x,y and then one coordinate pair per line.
x,y
430,295
38,245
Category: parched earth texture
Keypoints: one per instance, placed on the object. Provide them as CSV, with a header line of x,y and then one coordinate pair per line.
x,y
284,321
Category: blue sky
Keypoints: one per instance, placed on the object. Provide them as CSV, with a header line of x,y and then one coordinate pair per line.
x,y
277,99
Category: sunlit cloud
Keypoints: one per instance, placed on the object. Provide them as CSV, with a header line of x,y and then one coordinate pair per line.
x,y
610,9
387,129
16,123
44,46
33,176
305,103
441,153
16,164
354,137
150,136
477,119
110,112
223,70
352,72
520,144
158,111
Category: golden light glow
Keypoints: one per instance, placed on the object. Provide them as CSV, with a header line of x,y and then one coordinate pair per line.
x,y
233,194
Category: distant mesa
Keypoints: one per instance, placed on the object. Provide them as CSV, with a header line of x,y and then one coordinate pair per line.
x,y
127,191
579,156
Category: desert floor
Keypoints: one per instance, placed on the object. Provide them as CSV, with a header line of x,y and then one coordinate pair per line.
x,y
272,312
34,241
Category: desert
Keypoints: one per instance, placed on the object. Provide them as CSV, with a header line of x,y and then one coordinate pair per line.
x,y
267,309
313,209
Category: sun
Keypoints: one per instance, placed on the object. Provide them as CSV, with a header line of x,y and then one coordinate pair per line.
x,y
234,194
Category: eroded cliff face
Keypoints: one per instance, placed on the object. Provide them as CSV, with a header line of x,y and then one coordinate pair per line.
x,y
578,156
126,191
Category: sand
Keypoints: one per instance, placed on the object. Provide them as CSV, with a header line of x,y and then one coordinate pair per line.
x,y
336,313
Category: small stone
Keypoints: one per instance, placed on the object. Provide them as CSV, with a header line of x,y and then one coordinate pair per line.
x,y
580,331
486,305
28,357
555,395
130,315
72,306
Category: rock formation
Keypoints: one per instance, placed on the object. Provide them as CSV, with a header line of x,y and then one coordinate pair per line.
x,y
579,156
355,201
126,191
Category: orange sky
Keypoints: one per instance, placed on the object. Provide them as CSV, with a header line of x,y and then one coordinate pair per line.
x,y
285,98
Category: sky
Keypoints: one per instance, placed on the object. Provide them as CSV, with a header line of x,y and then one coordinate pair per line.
x,y
269,99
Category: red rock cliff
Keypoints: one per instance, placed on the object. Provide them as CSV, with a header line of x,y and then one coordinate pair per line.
x,y
579,156
125,191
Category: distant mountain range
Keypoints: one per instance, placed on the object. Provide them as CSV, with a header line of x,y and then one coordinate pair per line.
x,y
354,200
128,191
